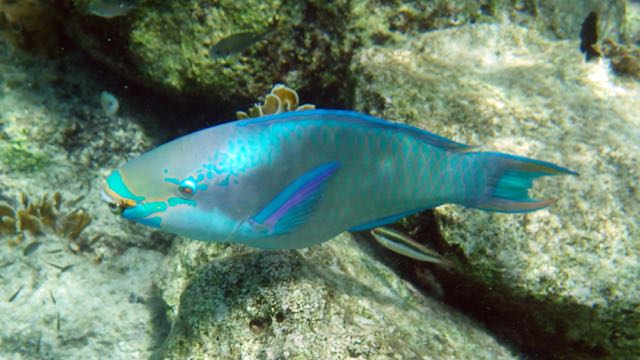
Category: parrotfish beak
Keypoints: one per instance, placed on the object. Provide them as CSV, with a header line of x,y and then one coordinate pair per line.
x,y
132,207
117,195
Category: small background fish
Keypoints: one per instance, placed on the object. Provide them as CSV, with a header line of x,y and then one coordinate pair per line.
x,y
110,9
589,36
109,103
238,42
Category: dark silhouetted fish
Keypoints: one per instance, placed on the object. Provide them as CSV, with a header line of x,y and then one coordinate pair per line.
x,y
589,36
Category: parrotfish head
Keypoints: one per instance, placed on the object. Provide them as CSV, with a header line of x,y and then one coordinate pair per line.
x,y
168,189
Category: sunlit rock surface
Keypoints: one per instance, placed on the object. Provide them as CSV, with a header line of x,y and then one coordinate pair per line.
x,y
566,278
64,294
333,301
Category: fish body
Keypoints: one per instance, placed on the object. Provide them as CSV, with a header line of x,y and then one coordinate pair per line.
x,y
239,42
402,244
297,179
109,9
109,103
589,36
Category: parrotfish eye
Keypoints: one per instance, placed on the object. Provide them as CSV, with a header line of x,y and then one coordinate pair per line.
x,y
187,188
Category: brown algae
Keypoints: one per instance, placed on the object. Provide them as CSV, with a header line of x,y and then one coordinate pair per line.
x,y
34,217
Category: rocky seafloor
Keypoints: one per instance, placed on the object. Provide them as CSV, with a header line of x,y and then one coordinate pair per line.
x,y
558,283
511,90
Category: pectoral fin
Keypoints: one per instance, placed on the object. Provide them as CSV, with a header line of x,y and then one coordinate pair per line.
x,y
292,206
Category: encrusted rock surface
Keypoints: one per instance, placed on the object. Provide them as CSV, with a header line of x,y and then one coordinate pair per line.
x,y
571,272
333,301
69,291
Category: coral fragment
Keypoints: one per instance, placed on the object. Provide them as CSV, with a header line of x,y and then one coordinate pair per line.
x,y
280,99
34,216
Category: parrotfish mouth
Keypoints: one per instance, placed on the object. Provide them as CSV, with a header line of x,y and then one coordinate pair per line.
x,y
117,195
132,207
116,203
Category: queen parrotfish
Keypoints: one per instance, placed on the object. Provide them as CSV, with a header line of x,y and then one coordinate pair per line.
x,y
299,178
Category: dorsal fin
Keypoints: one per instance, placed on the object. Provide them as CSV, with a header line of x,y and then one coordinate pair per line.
x,y
358,119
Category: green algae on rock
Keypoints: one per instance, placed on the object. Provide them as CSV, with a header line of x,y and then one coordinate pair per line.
x,y
568,274
383,22
166,45
31,25
625,60
171,43
20,158
564,19
234,302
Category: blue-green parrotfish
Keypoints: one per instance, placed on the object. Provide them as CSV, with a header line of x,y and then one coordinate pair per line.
x,y
299,178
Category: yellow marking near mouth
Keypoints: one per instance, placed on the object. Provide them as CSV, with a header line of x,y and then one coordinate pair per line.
x,y
119,200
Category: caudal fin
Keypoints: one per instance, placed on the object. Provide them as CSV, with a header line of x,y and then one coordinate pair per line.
x,y
509,181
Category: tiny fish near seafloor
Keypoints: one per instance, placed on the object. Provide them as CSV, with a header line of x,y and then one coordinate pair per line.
x,y
61,268
15,295
31,248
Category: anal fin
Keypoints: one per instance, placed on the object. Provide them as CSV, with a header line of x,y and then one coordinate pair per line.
x,y
384,220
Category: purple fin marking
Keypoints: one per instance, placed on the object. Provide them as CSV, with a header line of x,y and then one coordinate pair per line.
x,y
290,208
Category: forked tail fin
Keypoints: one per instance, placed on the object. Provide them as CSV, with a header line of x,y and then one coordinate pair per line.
x,y
509,179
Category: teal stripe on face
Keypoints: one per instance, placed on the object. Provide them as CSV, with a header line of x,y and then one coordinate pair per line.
x,y
173,201
139,212
116,184
172,180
